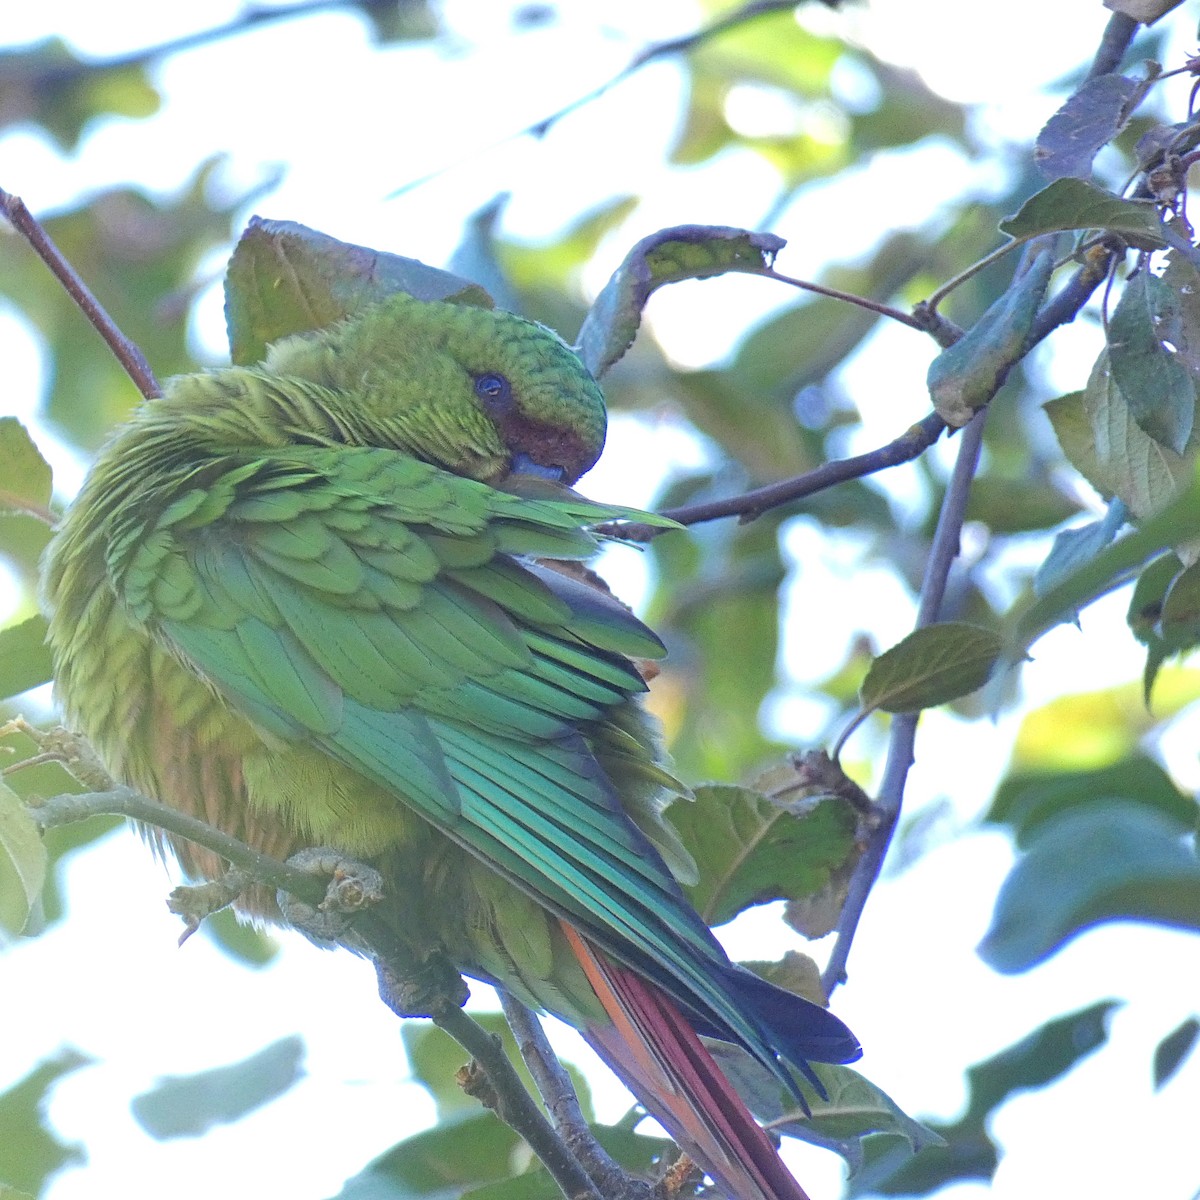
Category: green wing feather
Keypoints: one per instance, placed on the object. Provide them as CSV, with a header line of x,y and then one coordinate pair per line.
x,y
370,603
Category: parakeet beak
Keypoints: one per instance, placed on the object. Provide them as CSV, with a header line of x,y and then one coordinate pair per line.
x,y
522,464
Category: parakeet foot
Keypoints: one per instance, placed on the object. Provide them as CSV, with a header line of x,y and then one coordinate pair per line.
x,y
194,902
430,987
352,886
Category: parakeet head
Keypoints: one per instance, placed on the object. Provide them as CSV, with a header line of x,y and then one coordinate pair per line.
x,y
481,392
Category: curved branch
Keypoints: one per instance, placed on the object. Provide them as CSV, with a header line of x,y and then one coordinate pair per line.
x,y
653,52
884,310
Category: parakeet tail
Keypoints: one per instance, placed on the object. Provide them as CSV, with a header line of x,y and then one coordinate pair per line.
x,y
658,1056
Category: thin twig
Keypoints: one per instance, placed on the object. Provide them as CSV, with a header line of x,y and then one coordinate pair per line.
x,y
57,74
884,310
943,551
913,442
562,1102
932,302
678,45
127,353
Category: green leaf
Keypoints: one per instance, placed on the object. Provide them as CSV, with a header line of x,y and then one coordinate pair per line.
x,y
752,849
1107,862
23,861
188,1105
285,278
1178,521
1073,428
1144,11
48,84
439,1162
1179,618
1162,639
854,1109
965,376
30,1152
26,476
681,252
1087,730
24,657
931,666
1088,121
1028,799
1158,388
1171,1052
1073,548
1073,204
968,1151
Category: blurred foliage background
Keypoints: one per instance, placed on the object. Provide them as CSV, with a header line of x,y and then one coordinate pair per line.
x,y
809,122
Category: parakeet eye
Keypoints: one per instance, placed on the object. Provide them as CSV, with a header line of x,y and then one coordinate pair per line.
x,y
495,391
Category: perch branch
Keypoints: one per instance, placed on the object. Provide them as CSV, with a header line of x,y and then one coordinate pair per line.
x,y
562,1102
909,445
128,354
504,1091
884,310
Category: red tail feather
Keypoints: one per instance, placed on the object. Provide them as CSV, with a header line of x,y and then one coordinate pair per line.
x,y
659,1057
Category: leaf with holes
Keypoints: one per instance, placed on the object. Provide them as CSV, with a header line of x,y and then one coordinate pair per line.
x,y
1157,386
751,848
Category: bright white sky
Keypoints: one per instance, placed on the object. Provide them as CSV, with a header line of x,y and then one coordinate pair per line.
x,y
352,126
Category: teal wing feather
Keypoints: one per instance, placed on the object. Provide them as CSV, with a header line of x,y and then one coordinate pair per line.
x,y
374,605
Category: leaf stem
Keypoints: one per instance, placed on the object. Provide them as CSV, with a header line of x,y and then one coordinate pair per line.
x,y
884,310
980,265
127,353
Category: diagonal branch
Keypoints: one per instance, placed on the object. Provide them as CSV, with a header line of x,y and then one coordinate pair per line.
x,y
651,53
127,353
562,1102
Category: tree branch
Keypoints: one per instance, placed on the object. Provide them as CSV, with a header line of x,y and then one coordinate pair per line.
x,y
128,354
1118,33
884,310
403,973
651,53
943,551
562,1102
909,445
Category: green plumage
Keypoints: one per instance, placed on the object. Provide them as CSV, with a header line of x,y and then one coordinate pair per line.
x,y
299,601
287,601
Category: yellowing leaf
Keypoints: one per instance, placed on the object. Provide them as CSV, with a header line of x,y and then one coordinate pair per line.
x,y
25,480
1095,729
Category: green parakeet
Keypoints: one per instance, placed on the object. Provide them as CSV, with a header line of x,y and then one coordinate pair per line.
x,y
302,601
